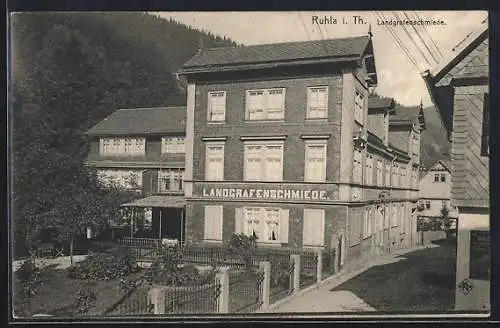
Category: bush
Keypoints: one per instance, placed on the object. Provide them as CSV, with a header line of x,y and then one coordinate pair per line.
x,y
85,300
29,278
103,267
243,247
167,270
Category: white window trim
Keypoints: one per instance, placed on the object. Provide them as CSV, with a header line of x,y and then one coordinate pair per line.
x,y
308,144
209,106
264,108
209,144
263,227
177,144
246,144
122,146
171,173
359,112
308,110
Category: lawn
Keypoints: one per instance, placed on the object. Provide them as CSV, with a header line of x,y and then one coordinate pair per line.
x,y
423,280
57,294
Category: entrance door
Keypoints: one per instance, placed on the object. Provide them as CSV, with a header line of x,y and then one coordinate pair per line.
x,y
168,223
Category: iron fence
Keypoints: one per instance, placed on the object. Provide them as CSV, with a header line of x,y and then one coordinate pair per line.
x,y
192,299
133,303
281,284
245,290
308,269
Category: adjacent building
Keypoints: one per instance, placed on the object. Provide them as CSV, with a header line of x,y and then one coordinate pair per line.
x,y
459,89
143,149
284,143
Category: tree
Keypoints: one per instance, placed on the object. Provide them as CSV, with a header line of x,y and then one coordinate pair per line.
x,y
447,221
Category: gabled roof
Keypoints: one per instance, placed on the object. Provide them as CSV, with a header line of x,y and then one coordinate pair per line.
x,y
446,164
140,121
408,115
439,79
271,55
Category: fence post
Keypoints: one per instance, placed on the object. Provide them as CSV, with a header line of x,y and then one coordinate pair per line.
x,y
222,278
295,258
319,265
265,266
156,296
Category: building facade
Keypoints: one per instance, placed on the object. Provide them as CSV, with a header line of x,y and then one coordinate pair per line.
x,y
143,149
435,191
459,89
278,147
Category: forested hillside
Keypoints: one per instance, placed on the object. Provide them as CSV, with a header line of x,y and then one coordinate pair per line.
x,y
69,71
434,143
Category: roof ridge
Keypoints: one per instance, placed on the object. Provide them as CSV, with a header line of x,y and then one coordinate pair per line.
x,y
284,43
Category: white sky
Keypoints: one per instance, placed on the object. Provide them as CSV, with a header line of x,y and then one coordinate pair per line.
x,y
397,76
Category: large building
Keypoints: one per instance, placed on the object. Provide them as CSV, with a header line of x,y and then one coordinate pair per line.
x,y
143,149
459,89
278,146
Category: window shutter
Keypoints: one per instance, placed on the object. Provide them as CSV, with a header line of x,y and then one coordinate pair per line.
x,y
284,226
238,220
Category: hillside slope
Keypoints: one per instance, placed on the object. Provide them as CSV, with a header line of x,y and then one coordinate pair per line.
x,y
434,143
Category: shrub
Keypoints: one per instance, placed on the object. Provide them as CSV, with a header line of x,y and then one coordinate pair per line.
x,y
243,247
85,300
103,267
167,270
29,278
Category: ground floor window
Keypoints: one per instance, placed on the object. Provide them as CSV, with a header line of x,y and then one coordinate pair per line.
x,y
266,224
213,223
368,223
170,180
313,233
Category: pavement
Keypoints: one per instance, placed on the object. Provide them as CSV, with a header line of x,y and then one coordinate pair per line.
x,y
321,298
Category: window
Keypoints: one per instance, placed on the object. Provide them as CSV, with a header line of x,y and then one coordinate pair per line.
x,y
415,144
388,174
395,172
315,161
369,170
313,230
213,223
379,219
402,173
359,107
217,106
368,222
127,179
174,145
379,173
262,223
436,177
394,216
387,216
442,177
485,134
317,102
402,217
266,104
428,204
355,227
170,180
122,146
357,171
263,162
214,161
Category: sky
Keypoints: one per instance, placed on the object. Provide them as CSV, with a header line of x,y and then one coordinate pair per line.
x,y
397,76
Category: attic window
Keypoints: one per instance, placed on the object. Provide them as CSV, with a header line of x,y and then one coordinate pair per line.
x,y
485,148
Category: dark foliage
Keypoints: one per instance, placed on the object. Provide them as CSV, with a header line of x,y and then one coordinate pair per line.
x,y
29,278
85,300
242,247
103,267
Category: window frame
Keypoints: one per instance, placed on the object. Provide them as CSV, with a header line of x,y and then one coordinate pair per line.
x,y
308,144
262,219
173,174
265,107
219,233
321,212
264,146
210,95
178,145
309,108
208,156
359,106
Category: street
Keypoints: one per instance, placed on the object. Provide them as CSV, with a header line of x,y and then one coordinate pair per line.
x,y
419,280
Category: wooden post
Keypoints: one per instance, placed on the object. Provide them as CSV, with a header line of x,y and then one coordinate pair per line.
x,y
295,258
222,278
319,266
265,266
182,225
